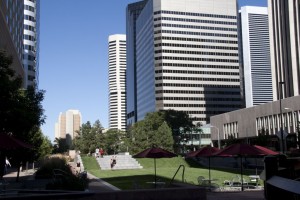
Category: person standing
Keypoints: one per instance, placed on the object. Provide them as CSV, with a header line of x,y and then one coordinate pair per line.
x,y
97,153
101,152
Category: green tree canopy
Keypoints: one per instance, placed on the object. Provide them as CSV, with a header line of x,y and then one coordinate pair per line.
x,y
21,111
153,130
89,137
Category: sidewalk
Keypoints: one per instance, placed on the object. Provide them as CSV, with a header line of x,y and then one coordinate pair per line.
x,y
246,195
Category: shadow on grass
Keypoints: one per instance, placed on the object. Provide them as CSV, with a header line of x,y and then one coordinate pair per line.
x,y
138,182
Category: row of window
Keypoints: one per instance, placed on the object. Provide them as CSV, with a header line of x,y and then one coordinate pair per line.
x,y
29,37
196,99
196,59
31,78
194,14
30,8
29,47
195,40
203,106
28,27
195,65
196,92
30,68
194,20
195,85
196,79
195,46
30,18
196,52
196,72
195,27
195,33
31,58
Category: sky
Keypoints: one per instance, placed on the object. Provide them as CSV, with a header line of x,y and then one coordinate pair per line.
x,y
73,65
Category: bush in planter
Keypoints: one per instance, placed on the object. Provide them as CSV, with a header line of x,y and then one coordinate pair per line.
x,y
49,164
69,182
57,169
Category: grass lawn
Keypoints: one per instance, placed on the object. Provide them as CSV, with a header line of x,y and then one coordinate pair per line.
x,y
165,170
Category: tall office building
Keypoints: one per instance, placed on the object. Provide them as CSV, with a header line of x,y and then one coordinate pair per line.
x,y
256,55
67,125
133,11
187,58
31,41
11,32
117,81
284,23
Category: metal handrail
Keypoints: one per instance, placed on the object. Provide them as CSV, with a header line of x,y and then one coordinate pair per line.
x,y
183,168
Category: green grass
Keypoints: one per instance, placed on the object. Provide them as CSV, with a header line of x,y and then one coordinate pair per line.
x,y
165,170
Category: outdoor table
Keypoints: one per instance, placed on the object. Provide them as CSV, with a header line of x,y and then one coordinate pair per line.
x,y
256,177
208,182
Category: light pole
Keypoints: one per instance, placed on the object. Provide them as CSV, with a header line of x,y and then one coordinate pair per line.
x,y
281,120
219,143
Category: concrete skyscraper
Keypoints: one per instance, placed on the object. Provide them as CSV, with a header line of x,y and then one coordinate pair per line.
x,y
31,41
67,125
186,58
284,23
256,55
11,32
117,81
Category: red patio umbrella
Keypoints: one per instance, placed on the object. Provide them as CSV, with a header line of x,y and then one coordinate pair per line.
x,y
9,142
155,152
204,152
243,150
266,151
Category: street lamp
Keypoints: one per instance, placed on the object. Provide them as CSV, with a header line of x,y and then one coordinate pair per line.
x,y
281,120
219,143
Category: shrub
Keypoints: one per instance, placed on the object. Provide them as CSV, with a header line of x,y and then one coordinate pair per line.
x,y
47,165
64,179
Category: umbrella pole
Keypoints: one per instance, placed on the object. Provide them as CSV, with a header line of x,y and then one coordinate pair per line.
x,y
154,172
209,172
256,166
242,173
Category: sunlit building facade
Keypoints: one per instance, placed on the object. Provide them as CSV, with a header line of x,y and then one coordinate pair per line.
x,y
284,24
68,124
187,59
31,41
117,81
256,55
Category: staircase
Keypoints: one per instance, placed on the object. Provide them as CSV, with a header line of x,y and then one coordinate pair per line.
x,y
123,162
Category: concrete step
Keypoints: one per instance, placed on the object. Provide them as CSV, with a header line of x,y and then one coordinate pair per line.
x,y
123,162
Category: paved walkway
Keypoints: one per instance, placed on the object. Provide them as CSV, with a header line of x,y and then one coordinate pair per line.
x,y
246,195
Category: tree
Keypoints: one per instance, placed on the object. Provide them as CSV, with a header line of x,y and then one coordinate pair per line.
x,y
21,112
89,137
45,148
112,141
177,119
60,145
153,130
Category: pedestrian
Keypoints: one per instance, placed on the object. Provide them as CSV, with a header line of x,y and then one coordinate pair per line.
x,y
101,152
7,163
113,161
97,153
